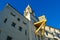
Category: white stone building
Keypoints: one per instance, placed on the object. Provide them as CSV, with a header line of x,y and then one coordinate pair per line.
x,y
14,26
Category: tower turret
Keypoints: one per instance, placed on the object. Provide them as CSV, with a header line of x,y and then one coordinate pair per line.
x,y
28,10
29,14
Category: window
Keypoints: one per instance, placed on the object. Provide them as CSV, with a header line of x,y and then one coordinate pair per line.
x,y
13,24
20,28
9,38
48,38
55,39
12,14
57,35
18,19
24,23
0,31
46,33
25,32
5,20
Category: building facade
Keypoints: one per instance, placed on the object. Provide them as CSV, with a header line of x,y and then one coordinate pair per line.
x,y
15,26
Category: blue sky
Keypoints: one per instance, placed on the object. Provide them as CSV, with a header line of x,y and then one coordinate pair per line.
x,y
49,8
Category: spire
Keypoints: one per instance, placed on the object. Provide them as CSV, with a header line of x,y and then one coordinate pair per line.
x,y
29,10
28,6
